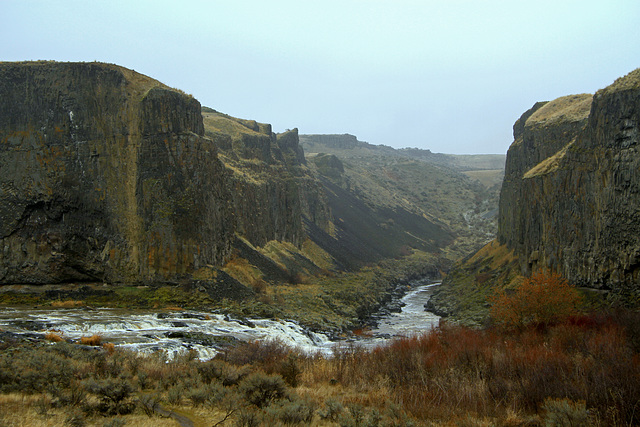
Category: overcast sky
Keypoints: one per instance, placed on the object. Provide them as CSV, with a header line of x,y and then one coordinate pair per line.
x,y
448,75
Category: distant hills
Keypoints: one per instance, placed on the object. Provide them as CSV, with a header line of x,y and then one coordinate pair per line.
x,y
349,146
433,186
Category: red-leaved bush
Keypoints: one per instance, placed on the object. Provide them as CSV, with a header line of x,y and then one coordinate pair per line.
x,y
541,300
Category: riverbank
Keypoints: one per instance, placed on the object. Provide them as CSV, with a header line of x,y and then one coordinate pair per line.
x,y
207,333
334,303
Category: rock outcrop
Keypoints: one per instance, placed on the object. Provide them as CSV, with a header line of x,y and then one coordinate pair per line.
x,y
106,176
109,175
570,200
272,189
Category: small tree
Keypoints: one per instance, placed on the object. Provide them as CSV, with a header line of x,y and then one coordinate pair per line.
x,y
542,299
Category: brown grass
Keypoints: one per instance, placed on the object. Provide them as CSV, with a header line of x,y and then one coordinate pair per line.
x,y
241,270
487,374
550,164
93,340
53,336
67,304
566,108
109,347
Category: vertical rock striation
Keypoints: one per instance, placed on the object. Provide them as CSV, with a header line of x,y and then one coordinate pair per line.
x,y
106,175
570,199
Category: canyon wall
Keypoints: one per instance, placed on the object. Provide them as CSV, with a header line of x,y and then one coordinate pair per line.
x,y
109,175
106,176
570,200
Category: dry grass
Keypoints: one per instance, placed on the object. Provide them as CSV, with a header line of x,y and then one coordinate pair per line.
x,y
241,270
452,376
550,164
496,254
67,304
109,347
460,373
21,410
229,125
567,108
53,336
17,409
93,340
629,82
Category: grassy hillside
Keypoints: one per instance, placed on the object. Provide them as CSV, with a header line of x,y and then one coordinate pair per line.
x,y
435,187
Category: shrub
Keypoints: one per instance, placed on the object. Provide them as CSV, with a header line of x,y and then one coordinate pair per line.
x,y
331,411
210,370
266,354
297,411
114,394
150,404
543,299
232,375
354,418
75,419
261,389
248,417
109,347
290,371
53,336
565,413
174,394
74,395
94,340
198,395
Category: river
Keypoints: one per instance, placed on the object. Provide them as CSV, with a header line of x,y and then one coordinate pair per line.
x,y
148,331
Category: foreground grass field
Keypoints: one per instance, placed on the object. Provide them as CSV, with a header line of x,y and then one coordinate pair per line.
x,y
584,370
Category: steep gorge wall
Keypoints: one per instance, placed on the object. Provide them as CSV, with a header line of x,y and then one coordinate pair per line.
x,y
272,188
106,175
570,200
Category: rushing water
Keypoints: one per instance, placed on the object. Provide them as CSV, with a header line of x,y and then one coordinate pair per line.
x,y
147,331
412,320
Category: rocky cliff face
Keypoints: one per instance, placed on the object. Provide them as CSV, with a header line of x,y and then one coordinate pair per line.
x,y
571,194
272,189
110,176
106,175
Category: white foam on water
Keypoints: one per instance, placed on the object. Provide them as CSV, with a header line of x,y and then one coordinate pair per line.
x,y
147,331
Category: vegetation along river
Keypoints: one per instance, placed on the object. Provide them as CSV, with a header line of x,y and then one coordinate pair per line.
x,y
178,331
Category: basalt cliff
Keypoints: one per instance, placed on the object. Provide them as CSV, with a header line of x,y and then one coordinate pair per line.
x,y
103,171
570,200
109,176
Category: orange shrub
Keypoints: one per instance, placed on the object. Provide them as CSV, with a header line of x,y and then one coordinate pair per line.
x,y
543,299
95,340
53,336
109,347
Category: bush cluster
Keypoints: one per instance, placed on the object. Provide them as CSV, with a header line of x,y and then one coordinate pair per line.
x,y
583,365
543,299
575,370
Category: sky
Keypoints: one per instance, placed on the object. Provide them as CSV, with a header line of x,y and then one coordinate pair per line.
x,y
451,76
